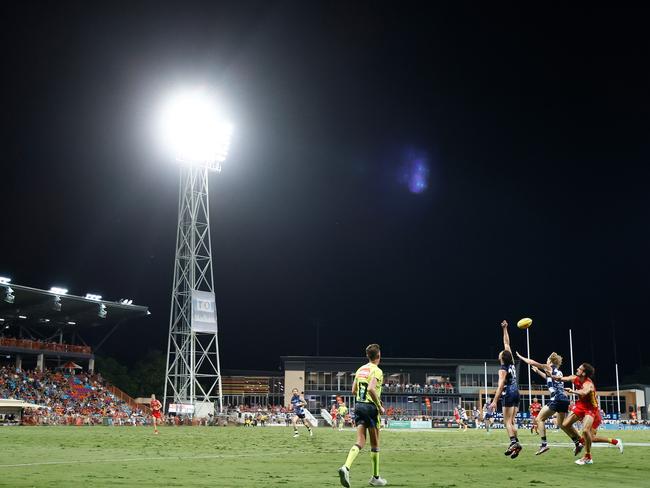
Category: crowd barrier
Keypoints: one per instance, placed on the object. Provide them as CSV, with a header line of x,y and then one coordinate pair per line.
x,y
43,346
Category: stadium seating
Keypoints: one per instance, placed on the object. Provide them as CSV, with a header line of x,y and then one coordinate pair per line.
x,y
66,399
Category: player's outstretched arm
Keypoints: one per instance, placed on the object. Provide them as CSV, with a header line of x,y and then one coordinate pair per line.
x,y
585,390
543,374
532,362
506,337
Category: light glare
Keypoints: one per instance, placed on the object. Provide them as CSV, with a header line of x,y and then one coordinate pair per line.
x,y
193,130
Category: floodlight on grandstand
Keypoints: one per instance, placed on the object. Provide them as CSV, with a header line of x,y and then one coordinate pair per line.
x,y
22,316
193,130
58,290
125,301
72,323
4,281
91,296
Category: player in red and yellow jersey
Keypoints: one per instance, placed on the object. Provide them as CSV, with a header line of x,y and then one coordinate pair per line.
x,y
535,408
156,414
334,412
586,409
367,389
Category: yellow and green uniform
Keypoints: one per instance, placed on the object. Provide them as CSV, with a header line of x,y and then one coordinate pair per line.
x,y
366,411
343,411
363,377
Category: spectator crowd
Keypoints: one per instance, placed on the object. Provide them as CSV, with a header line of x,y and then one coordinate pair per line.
x,y
65,399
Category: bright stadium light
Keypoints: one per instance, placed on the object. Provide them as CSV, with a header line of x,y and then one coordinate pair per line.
x,y
192,128
58,290
4,281
91,296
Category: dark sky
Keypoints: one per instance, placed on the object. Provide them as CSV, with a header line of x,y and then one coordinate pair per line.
x,y
530,129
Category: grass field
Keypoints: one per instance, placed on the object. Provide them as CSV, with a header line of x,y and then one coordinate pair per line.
x,y
241,457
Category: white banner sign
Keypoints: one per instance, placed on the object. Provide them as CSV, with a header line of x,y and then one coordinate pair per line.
x,y
204,312
181,408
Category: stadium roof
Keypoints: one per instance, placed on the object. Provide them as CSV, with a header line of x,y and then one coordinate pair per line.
x,y
34,307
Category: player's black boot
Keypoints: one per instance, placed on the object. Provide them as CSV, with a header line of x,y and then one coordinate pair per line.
x,y
516,449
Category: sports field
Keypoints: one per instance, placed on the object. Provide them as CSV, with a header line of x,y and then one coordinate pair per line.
x,y
243,457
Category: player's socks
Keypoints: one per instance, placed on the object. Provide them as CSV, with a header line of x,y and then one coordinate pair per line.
x,y
352,455
613,442
374,456
543,440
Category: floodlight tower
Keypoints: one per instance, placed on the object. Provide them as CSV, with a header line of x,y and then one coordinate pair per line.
x,y
199,139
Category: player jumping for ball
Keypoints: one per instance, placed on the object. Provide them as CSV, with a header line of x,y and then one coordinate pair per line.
x,y
559,403
298,405
509,393
156,415
367,389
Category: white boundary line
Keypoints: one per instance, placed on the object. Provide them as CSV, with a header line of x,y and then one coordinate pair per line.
x,y
267,454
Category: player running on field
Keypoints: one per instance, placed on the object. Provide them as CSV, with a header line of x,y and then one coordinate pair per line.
x,y
463,418
343,411
534,409
509,393
334,413
367,389
156,415
298,405
585,409
476,417
559,403
488,415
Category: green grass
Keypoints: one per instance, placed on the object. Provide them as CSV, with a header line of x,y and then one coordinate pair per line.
x,y
270,457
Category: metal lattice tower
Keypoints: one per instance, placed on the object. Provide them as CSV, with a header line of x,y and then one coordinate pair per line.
x,y
193,371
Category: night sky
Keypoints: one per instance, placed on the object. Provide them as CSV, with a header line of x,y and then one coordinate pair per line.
x,y
399,174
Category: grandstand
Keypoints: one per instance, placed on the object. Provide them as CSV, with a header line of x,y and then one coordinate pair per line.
x,y
41,328
48,361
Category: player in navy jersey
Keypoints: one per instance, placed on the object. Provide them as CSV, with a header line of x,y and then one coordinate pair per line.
x,y
559,403
508,393
488,416
298,407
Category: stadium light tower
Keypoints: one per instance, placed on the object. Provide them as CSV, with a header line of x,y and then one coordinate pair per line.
x,y
194,132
